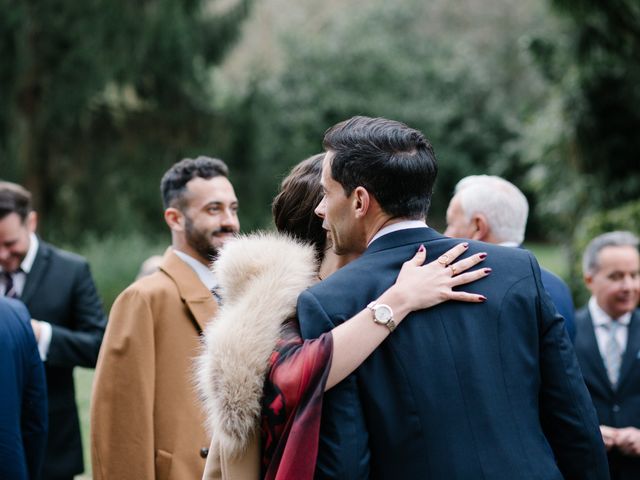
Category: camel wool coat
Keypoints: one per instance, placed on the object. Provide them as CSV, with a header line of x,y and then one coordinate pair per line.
x,y
146,420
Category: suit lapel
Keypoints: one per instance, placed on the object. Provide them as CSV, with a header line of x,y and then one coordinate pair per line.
x,y
592,353
195,295
630,356
39,267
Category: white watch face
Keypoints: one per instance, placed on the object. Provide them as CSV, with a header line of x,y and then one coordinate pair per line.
x,y
383,314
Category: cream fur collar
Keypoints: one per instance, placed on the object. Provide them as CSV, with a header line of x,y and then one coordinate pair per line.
x,y
261,276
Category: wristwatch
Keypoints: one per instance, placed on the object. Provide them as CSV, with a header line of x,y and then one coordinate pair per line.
x,y
383,315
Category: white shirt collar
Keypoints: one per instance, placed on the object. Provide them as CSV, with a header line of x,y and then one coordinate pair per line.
x,y
205,275
601,318
509,244
29,258
394,227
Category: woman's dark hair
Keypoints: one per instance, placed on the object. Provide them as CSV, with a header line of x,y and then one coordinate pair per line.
x,y
293,208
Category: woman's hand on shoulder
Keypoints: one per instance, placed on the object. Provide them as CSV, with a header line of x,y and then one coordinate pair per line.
x,y
423,286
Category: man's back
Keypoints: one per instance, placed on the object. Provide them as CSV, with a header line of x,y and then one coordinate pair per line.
x,y
23,403
458,391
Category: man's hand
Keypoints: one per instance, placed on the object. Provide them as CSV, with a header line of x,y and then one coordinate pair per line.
x,y
609,436
628,440
35,325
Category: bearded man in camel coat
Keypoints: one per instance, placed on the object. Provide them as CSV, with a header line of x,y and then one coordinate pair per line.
x,y
146,420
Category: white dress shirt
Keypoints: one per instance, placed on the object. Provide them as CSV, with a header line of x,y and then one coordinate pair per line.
x,y
19,281
204,273
601,322
394,227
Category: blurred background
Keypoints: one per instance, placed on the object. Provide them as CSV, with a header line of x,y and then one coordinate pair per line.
x,y
98,98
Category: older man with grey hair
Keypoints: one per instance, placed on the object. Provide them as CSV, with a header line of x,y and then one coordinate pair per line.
x,y
608,346
491,209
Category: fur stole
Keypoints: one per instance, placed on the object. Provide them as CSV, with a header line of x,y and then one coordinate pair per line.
x,y
260,276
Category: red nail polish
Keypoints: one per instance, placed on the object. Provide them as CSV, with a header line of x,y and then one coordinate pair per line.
x,y
482,298
421,249
465,245
487,270
483,256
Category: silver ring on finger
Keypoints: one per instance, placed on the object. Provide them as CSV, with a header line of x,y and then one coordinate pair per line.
x,y
453,270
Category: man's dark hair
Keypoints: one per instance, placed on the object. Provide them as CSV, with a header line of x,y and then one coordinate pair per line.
x,y
174,182
14,199
394,163
293,208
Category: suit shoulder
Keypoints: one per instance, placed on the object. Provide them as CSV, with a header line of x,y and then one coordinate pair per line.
x,y
64,255
158,284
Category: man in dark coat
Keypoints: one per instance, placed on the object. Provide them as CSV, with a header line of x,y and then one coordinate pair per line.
x,y
23,402
66,317
458,391
608,346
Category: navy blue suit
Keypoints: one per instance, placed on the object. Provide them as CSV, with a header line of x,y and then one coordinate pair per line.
x,y
616,407
458,391
23,396
561,298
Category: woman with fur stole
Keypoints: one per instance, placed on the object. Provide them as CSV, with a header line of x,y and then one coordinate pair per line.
x,y
262,384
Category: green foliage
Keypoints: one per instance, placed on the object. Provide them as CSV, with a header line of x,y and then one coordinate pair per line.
x,y
624,217
581,152
116,259
101,96
398,60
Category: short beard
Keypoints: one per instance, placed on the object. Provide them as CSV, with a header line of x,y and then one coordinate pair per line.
x,y
199,241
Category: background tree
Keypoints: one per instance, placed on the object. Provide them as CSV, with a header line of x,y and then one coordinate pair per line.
x,y
468,84
99,97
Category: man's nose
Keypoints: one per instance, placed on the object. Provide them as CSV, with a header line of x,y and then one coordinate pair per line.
x,y
320,209
230,219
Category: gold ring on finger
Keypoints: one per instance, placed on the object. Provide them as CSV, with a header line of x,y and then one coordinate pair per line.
x,y
453,270
443,259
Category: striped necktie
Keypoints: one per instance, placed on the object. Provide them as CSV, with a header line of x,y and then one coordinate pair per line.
x,y
9,287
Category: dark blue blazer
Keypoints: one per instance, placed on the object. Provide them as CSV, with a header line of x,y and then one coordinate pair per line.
x,y
23,396
616,407
561,298
458,391
60,290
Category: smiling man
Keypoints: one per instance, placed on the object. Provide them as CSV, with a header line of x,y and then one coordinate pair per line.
x,y
145,418
608,346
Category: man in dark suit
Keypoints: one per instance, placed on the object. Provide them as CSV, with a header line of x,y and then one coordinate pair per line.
x,y
491,209
67,319
608,346
459,391
23,402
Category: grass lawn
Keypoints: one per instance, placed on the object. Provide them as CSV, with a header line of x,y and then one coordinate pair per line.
x,y
84,380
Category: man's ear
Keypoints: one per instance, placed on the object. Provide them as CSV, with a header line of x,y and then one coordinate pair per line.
x,y
361,201
32,221
588,280
174,218
481,228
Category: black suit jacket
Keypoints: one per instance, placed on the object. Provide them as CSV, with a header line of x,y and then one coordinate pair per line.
x,y
458,391
60,290
618,407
